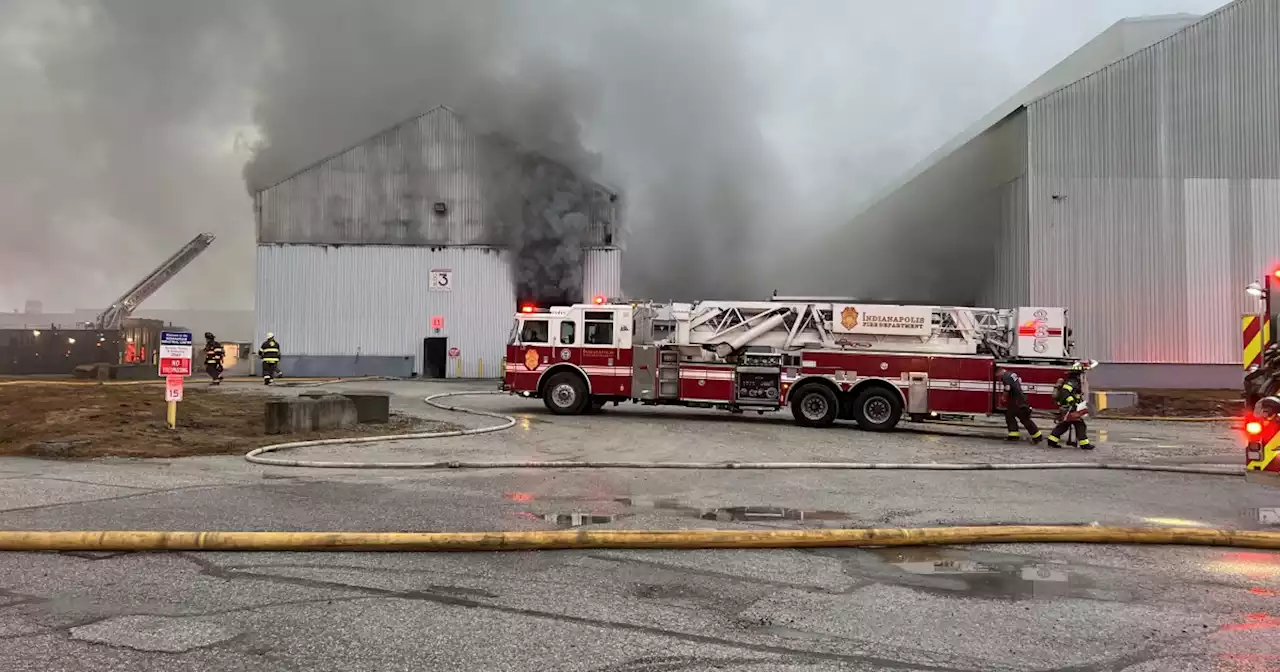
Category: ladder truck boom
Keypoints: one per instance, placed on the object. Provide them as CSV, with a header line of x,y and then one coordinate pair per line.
x,y
123,307
788,326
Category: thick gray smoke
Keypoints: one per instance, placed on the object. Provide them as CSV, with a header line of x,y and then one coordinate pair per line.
x,y
106,162
658,87
120,165
119,116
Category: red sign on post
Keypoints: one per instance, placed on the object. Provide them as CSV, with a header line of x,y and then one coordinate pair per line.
x,y
175,360
173,388
454,352
437,322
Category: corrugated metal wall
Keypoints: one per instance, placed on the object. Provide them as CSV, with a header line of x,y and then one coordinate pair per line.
x,y
383,191
1154,191
376,301
1007,283
602,273
943,223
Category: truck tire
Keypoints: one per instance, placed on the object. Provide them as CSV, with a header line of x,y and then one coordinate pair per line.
x,y
814,406
566,394
877,409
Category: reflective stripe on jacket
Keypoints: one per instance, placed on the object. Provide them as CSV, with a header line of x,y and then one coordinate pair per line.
x,y
270,352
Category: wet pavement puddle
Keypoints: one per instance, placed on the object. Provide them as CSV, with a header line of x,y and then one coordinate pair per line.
x,y
739,514
960,572
568,520
594,515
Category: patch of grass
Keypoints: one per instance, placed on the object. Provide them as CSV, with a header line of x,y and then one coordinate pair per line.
x,y
129,421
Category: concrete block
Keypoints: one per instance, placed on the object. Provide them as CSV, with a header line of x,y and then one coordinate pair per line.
x,y
309,414
1102,400
277,416
371,407
133,371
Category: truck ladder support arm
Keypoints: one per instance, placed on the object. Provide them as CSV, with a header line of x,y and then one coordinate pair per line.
x,y
123,307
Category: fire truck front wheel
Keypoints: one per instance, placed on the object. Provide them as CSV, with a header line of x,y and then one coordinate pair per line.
x,y
877,409
814,406
566,394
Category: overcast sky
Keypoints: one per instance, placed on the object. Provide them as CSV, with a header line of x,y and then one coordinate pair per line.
x,y
106,167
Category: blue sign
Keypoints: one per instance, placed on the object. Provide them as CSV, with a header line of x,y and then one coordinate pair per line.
x,y
175,338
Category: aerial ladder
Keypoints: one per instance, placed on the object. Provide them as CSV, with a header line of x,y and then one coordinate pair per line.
x,y
120,310
789,324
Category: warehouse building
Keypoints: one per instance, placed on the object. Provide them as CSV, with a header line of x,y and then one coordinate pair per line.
x,y
1137,183
407,254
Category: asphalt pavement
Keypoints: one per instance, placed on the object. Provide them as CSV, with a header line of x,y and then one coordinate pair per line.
x,y
996,607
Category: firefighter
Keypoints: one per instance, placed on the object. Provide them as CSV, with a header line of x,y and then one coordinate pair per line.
x,y
1069,394
1017,408
213,356
269,352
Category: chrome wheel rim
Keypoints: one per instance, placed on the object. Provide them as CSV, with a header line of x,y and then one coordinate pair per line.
x,y
564,395
814,407
877,410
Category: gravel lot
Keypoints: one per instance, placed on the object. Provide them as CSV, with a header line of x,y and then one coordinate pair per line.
x,y
1013,607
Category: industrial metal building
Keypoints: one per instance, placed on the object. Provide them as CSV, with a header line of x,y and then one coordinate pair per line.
x,y
391,257
1137,183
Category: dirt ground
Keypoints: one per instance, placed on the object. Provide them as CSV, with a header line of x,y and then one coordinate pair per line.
x,y
1184,404
129,421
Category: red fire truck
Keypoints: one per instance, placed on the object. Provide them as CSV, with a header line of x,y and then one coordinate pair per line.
x,y
826,359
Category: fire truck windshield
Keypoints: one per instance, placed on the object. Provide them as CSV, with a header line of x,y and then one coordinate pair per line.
x,y
535,331
515,331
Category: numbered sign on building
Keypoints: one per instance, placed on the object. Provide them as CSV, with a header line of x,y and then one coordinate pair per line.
x,y
441,280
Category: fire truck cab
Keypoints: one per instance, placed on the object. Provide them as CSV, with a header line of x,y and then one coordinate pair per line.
x,y
825,359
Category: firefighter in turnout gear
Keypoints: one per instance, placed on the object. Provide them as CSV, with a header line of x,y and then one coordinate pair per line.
x,y
213,356
269,352
1017,408
1070,397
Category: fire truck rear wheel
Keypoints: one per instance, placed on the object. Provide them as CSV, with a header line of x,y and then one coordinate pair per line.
x,y
877,409
566,394
814,406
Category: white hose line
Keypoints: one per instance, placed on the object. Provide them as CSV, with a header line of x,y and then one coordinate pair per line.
x,y
257,456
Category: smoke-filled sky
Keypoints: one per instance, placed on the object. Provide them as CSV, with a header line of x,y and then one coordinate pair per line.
x,y
732,126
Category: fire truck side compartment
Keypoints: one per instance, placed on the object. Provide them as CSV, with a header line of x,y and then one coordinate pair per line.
x,y
918,393
644,372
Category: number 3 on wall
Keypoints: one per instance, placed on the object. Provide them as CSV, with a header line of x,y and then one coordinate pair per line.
x,y
441,280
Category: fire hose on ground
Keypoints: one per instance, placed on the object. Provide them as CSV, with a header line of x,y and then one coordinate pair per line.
x,y
259,455
338,541
546,540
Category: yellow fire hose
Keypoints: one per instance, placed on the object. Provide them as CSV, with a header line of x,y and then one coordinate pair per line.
x,y
118,541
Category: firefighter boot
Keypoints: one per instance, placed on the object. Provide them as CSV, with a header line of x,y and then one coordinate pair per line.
x,y
1013,436
1037,438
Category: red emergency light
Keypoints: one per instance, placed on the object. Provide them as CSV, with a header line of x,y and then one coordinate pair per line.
x,y
1253,428
527,308
599,300
1276,274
